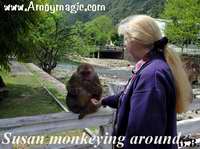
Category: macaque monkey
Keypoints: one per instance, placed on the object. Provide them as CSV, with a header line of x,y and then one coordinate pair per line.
x,y
83,85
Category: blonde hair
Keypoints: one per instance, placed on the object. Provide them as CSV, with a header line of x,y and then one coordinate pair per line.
x,y
146,31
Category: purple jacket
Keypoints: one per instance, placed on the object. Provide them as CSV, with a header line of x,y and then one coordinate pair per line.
x,y
148,107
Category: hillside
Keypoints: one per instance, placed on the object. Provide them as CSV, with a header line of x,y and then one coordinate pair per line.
x,y
118,9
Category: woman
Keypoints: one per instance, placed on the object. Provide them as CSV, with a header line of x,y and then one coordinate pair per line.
x,y
158,88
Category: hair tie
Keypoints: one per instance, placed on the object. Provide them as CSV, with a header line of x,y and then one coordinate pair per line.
x,y
160,44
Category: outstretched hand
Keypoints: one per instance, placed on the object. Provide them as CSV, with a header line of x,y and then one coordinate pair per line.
x,y
96,102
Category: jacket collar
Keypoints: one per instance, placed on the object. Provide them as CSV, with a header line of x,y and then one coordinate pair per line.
x,y
147,60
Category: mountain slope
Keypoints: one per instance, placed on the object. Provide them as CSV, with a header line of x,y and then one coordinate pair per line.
x,y
118,9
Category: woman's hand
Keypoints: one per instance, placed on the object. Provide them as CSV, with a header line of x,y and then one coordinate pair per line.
x,y
96,102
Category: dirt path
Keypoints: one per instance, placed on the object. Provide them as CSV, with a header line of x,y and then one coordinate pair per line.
x,y
19,69
46,77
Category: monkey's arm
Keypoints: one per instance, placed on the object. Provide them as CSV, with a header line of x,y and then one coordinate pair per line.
x,y
73,85
111,101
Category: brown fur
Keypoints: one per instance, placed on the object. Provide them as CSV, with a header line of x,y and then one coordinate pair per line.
x,y
83,85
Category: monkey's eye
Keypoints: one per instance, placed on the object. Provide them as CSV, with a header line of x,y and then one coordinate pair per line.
x,y
85,73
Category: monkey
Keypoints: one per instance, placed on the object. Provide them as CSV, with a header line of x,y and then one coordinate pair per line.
x,y
83,85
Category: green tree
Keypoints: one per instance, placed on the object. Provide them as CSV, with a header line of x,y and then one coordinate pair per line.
x,y
184,20
88,37
77,41
116,39
99,31
49,40
14,26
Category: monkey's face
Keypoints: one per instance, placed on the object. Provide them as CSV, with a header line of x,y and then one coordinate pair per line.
x,y
86,72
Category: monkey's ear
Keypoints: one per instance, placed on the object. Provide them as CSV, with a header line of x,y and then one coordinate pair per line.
x,y
80,67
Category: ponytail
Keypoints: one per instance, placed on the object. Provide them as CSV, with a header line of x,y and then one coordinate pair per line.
x,y
182,84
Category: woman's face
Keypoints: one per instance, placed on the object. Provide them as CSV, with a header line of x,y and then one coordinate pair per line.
x,y
135,49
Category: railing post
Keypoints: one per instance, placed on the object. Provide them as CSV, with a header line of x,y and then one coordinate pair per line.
x,y
105,131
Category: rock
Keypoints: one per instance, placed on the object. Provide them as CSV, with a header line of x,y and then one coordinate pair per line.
x,y
180,117
197,111
190,117
198,96
189,112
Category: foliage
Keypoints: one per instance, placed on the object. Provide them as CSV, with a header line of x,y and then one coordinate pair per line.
x,y
14,27
183,27
85,38
77,40
49,41
82,37
116,39
99,30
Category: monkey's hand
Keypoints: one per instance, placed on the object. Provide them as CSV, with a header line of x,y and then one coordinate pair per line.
x,y
96,102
